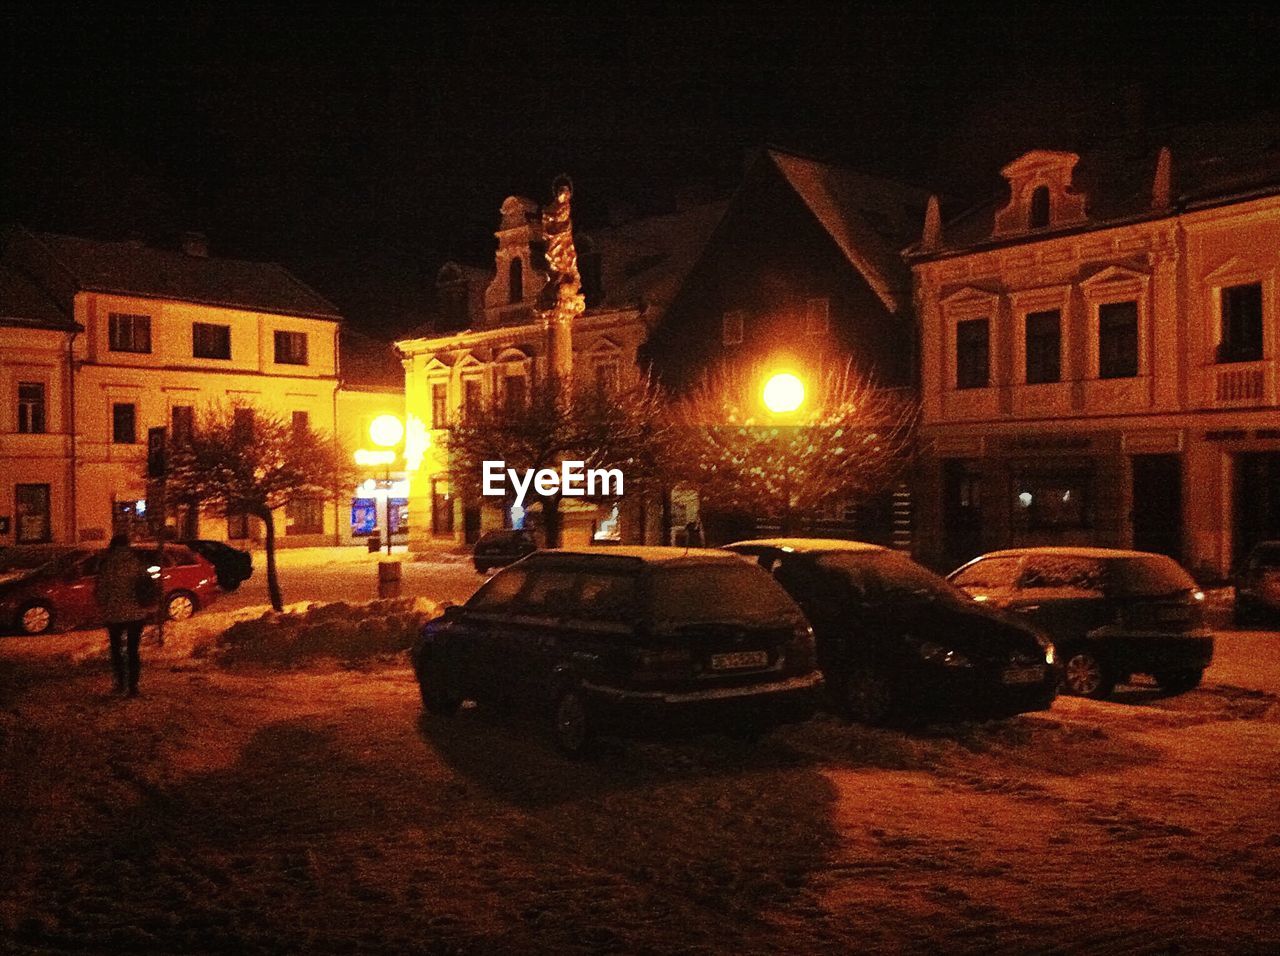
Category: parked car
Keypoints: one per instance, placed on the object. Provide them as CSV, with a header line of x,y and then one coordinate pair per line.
x,y
232,565
897,643
1111,613
629,642
59,592
1258,584
497,549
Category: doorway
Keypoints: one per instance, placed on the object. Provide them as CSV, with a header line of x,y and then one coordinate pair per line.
x,y
1256,508
961,511
1157,504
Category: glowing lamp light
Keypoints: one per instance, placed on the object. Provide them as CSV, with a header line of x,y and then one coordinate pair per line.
x,y
386,430
366,456
783,393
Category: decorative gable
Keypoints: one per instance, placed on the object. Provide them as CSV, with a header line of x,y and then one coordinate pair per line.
x,y
1040,194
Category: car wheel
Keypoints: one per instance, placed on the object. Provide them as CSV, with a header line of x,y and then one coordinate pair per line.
x,y
571,725
435,699
867,696
35,618
1179,682
180,605
1086,674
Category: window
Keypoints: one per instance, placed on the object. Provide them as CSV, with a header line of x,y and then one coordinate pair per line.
x,y
1038,217
304,516
607,378
989,575
441,508
1044,347
31,504
1118,340
237,525
364,516
514,391
1052,501
128,333
610,597
500,592
972,360
242,423
439,405
291,348
515,282
1063,572
732,330
549,591
471,402
817,317
31,417
1241,324
210,341
183,424
124,423
301,423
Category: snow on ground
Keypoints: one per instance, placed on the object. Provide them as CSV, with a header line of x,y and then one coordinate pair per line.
x,y
317,810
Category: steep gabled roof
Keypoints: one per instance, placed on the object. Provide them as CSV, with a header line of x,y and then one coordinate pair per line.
x,y
367,363
23,303
133,268
869,218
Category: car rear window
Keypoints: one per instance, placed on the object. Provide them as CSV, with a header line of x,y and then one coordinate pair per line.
x,y
734,591
1150,576
1065,573
499,591
990,574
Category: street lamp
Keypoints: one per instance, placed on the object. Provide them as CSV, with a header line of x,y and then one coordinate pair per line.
x,y
386,431
783,393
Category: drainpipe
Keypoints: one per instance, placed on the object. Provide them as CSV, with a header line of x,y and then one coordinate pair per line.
x,y
337,372
75,467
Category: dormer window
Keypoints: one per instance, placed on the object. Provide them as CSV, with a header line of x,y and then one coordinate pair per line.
x,y
1038,216
515,282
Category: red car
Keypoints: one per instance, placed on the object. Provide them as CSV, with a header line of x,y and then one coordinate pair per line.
x,y
59,591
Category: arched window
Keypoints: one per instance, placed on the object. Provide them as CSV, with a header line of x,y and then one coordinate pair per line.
x,y
515,282
1039,217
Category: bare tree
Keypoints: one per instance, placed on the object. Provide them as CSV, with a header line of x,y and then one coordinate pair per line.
x,y
849,439
622,428
241,460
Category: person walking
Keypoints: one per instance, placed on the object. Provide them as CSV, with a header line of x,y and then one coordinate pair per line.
x,y
127,596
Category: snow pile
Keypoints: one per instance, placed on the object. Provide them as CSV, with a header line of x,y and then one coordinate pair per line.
x,y
342,632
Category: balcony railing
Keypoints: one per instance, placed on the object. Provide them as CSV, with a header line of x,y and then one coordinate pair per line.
x,y
1240,384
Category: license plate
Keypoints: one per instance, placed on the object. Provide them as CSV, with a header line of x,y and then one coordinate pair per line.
x,y
728,662
1023,675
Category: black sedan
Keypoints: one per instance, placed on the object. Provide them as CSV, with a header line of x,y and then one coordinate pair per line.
x,y
497,549
628,642
232,565
1111,613
898,644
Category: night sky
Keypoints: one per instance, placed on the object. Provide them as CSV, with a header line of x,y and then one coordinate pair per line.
x,y
363,148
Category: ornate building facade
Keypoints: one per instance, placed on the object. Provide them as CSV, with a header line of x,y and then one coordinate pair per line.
x,y
1099,356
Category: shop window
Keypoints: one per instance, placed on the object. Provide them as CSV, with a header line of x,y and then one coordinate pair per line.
x,y
31,408
124,423
1044,347
183,427
129,516
972,353
301,423
1118,340
439,405
304,516
242,423
398,515
128,333
210,341
290,348
1241,324
364,517
31,505
1053,502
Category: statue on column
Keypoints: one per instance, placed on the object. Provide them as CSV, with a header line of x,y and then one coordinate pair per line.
x,y
561,298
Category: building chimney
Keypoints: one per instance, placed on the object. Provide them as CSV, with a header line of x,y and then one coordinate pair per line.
x,y
1162,184
931,237
195,244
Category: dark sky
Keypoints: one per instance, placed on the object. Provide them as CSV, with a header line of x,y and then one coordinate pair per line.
x,y
363,145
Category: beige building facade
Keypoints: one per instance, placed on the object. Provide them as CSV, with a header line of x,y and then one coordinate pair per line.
x,y
1099,360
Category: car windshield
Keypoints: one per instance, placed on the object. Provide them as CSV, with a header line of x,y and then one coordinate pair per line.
x,y
893,578
729,592
19,560
1148,576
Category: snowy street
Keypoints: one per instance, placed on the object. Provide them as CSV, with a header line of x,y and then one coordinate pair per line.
x,y
317,810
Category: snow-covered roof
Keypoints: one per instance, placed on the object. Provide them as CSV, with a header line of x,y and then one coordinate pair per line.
x,y
808,545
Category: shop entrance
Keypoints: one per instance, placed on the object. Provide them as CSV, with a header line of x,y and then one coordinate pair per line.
x,y
961,512
1257,500
1157,504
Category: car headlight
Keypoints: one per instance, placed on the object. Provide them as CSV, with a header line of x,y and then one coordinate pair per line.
x,y
936,653
1046,645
